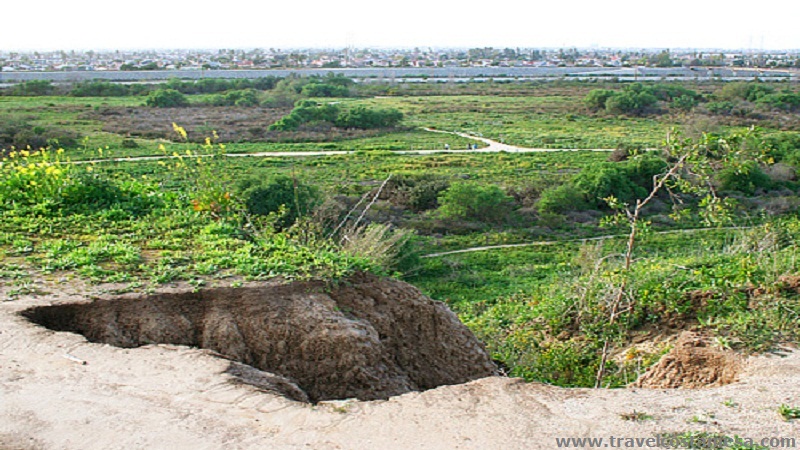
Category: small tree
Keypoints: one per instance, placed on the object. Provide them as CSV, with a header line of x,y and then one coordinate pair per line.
x,y
690,169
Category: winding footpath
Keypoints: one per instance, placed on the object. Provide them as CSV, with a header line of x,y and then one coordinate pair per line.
x,y
491,147
581,240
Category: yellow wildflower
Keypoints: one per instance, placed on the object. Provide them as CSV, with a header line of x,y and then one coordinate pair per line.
x,y
179,129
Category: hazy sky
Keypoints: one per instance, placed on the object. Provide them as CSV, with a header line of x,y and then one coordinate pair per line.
x,y
94,24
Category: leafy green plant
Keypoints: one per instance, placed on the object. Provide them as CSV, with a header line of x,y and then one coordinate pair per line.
x,y
475,201
788,412
287,198
166,98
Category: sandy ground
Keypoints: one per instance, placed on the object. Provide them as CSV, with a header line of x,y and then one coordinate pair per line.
x,y
171,397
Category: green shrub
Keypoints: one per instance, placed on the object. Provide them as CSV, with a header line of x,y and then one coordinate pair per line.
x,y
32,88
306,111
596,99
683,103
241,97
630,102
642,169
99,89
672,92
324,90
746,178
605,180
129,143
166,98
285,196
364,118
486,203
750,91
561,199
722,108
786,101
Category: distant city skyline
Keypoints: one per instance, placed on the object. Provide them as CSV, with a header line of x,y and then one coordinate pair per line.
x,y
150,24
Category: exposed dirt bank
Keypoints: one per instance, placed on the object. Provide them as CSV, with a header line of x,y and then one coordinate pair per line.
x,y
370,339
60,391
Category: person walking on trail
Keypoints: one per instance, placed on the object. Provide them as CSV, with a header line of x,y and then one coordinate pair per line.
x,y
447,146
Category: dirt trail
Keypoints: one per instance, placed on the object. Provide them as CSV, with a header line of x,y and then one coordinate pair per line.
x,y
59,391
545,243
492,147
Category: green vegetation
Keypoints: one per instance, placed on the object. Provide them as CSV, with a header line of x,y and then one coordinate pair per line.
x,y
638,99
562,309
472,201
308,113
166,98
789,413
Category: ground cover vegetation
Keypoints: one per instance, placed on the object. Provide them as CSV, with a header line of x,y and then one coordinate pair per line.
x,y
687,221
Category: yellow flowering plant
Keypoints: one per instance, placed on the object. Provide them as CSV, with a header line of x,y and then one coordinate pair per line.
x,y
210,193
29,177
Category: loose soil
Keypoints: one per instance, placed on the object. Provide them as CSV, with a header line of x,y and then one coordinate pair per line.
x,y
692,363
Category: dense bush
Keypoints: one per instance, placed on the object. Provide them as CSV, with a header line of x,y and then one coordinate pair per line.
x,y
471,201
32,88
596,99
722,108
306,111
324,90
786,101
750,92
626,181
166,98
683,103
784,146
416,192
746,178
672,92
630,102
217,85
364,118
561,199
638,98
285,196
243,97
605,180
634,99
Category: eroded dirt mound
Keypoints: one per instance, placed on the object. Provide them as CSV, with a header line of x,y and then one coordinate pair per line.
x,y
692,363
369,339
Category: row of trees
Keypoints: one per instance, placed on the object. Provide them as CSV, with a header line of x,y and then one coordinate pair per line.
x,y
638,98
732,99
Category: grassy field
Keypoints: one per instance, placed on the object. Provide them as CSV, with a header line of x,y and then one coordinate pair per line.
x,y
542,309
